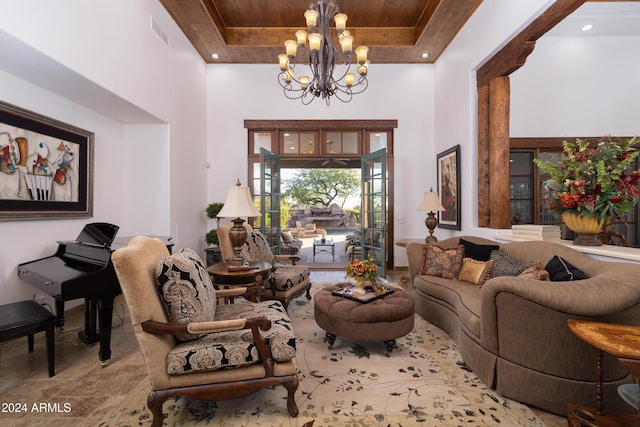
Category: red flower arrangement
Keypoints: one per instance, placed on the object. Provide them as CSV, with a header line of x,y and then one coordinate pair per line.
x,y
594,181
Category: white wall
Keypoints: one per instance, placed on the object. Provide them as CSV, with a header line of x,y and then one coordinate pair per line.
x,y
493,24
578,86
395,92
28,240
99,66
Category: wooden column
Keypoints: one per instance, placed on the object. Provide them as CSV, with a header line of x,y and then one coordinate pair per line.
x,y
499,95
484,148
493,114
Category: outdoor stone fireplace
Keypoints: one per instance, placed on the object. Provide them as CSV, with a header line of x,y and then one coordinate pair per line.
x,y
324,217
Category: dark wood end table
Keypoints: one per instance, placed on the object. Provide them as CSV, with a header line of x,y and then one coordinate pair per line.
x,y
253,278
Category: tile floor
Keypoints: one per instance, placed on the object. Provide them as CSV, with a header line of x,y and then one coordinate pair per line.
x,y
88,389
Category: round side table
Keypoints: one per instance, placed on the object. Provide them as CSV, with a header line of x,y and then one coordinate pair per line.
x,y
253,278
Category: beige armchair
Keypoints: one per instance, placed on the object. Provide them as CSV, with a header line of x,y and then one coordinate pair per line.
x,y
187,338
309,230
288,281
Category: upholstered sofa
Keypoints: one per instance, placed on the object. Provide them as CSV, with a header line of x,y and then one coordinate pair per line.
x,y
512,331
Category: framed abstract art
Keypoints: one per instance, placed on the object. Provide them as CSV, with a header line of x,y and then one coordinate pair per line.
x,y
46,167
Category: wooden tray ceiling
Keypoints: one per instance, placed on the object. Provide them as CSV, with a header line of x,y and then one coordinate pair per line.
x,y
253,32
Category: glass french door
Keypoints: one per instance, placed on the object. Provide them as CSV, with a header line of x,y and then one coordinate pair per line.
x,y
270,198
373,211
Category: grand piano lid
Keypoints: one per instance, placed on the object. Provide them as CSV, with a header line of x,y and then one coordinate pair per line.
x,y
98,234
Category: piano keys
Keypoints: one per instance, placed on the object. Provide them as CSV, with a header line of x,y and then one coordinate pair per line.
x,y
82,268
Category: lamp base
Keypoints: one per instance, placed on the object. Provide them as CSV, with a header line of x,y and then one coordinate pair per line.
x,y
431,222
237,235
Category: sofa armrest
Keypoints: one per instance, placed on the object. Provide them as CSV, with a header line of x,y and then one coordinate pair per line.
x,y
414,256
290,258
596,296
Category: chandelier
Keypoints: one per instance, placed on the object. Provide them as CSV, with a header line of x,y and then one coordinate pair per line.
x,y
325,30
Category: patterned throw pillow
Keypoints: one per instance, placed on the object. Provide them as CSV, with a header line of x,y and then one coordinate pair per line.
x,y
185,289
504,265
440,262
535,271
474,271
256,248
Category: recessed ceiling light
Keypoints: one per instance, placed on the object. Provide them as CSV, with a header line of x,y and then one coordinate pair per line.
x,y
215,56
424,55
587,27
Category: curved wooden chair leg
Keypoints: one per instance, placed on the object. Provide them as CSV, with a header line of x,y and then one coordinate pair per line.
x,y
291,384
155,400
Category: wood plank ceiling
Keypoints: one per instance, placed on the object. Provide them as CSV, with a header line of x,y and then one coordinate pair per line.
x,y
253,32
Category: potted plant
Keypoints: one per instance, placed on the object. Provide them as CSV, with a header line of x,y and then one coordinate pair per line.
x,y
213,252
593,186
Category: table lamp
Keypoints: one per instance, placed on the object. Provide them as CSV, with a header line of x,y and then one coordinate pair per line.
x,y
239,203
431,203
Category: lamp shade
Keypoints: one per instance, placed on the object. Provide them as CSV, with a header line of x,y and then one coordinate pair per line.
x,y
239,203
431,202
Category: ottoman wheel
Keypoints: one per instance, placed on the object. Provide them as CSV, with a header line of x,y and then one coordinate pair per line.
x,y
330,338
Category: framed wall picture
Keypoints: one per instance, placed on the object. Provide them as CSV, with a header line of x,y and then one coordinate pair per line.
x,y
46,167
449,187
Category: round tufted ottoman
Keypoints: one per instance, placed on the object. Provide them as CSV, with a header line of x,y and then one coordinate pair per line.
x,y
384,319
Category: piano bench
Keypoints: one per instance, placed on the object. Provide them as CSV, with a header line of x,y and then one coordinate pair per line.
x,y
26,318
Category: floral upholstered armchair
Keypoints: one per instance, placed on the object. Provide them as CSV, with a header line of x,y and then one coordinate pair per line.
x,y
187,339
288,281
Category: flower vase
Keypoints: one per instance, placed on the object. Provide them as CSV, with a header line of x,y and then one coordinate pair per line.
x,y
587,228
364,284
369,285
356,282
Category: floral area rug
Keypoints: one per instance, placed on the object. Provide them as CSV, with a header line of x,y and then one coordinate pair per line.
x,y
423,383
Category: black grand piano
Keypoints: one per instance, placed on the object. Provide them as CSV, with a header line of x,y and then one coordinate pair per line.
x,y
82,268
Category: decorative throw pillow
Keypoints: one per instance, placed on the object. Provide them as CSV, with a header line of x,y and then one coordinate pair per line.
x,y
535,271
560,270
185,289
474,271
440,262
504,265
287,236
478,252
